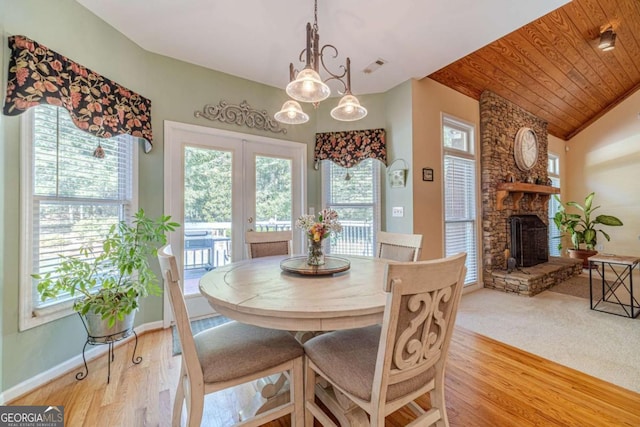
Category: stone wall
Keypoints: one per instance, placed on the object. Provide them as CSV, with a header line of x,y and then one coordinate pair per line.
x,y
499,123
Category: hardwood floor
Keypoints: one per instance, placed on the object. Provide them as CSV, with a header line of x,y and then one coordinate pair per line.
x,y
488,384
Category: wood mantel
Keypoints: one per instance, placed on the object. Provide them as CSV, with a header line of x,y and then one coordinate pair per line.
x,y
518,189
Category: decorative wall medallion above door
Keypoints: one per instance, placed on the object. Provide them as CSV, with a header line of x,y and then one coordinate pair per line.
x,y
242,115
525,149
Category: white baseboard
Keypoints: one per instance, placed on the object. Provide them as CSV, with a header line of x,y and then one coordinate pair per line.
x,y
70,365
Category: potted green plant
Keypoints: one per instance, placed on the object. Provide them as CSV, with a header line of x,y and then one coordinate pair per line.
x,y
582,227
109,283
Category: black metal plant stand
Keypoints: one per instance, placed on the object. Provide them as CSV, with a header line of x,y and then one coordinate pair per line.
x,y
109,340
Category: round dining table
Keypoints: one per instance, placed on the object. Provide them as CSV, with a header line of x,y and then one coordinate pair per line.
x,y
263,292
284,292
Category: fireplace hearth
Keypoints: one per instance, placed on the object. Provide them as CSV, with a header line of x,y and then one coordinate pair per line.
x,y
529,240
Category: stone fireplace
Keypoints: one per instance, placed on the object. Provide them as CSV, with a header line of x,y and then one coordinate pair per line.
x,y
509,192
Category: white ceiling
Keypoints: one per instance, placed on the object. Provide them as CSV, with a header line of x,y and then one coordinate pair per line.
x,y
257,39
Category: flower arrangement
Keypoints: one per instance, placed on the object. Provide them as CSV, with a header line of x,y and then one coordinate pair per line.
x,y
317,230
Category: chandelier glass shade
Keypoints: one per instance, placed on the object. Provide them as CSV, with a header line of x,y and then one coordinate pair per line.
x,y
292,114
308,86
348,109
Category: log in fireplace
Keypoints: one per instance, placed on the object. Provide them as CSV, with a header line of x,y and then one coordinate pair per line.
x,y
529,240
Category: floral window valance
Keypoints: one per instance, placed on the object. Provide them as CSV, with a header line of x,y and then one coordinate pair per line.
x,y
38,75
349,148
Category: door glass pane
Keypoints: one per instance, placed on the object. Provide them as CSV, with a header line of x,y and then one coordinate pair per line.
x,y
207,213
273,194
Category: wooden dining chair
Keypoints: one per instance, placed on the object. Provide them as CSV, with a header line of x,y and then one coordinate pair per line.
x,y
383,368
398,246
268,243
228,355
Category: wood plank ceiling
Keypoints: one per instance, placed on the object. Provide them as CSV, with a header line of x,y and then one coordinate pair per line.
x,y
553,68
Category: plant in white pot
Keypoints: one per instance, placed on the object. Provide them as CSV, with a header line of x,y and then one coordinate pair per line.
x,y
582,227
109,283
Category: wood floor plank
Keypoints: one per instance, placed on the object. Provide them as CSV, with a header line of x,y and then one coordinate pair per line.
x,y
488,384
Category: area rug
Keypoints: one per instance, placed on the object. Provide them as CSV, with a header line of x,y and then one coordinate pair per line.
x,y
197,326
577,286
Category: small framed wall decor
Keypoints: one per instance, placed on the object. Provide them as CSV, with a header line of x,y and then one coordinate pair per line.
x,y
427,174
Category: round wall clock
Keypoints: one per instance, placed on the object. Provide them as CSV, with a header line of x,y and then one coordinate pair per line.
x,y
525,149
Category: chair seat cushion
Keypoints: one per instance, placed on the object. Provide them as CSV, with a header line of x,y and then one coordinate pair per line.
x,y
235,349
348,359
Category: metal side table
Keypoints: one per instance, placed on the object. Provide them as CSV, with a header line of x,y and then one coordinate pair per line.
x,y
615,295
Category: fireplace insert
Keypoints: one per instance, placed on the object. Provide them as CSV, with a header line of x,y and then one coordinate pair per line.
x,y
529,240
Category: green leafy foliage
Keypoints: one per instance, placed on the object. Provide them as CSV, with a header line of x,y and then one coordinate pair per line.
x,y
580,226
121,272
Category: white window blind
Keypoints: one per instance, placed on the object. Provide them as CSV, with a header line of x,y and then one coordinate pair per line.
x,y
554,232
460,194
74,197
357,201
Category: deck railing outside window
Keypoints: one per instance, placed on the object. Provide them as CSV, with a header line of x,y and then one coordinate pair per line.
x,y
357,238
208,245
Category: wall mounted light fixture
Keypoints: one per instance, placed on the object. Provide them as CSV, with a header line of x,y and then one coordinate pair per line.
x,y
607,39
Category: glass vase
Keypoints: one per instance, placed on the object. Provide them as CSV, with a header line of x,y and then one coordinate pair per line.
x,y
315,256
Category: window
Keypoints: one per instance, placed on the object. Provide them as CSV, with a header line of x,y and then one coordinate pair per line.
x,y
554,233
459,164
70,198
355,194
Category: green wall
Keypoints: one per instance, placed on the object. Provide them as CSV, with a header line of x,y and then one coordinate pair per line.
x,y
176,90
400,131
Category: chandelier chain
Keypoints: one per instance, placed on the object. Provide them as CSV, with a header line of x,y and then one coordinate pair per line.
x,y
315,16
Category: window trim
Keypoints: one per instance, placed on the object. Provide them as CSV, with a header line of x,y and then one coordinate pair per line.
x,y
27,313
473,154
553,175
556,160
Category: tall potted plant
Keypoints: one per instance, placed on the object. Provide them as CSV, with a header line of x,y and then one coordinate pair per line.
x,y
109,283
583,227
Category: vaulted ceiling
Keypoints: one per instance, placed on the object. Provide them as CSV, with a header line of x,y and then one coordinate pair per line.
x,y
257,39
553,67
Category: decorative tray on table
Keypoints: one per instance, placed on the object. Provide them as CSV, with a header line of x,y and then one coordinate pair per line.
x,y
299,265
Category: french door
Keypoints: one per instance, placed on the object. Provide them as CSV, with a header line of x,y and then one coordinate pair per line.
x,y
220,184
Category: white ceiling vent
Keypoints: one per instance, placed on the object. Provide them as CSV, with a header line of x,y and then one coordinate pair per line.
x,y
374,66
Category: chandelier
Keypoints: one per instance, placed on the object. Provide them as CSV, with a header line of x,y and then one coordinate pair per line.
x,y
307,85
